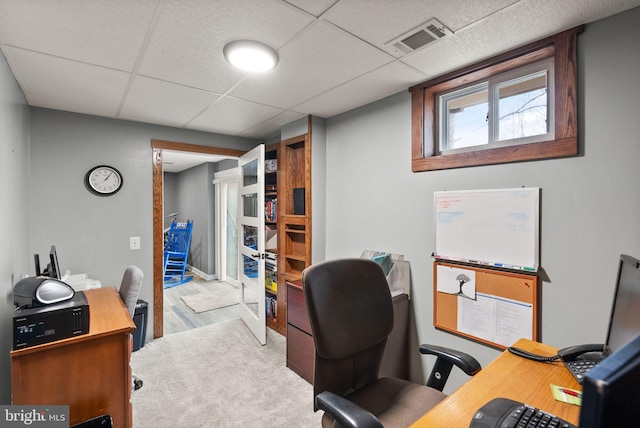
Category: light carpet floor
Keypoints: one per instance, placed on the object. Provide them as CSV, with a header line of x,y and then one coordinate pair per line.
x,y
219,376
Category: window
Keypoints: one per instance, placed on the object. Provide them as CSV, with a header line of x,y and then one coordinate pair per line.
x,y
510,108
517,106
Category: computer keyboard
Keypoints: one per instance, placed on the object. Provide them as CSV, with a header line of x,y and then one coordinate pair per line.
x,y
579,368
505,413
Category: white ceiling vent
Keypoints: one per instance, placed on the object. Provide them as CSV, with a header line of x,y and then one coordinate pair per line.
x,y
419,37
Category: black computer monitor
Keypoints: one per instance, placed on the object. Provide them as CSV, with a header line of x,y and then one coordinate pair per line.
x,y
624,324
54,271
53,268
611,391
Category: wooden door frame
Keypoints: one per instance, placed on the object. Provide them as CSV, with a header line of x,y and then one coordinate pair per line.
x,y
158,216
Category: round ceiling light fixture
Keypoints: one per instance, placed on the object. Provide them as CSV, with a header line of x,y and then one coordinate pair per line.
x,y
249,55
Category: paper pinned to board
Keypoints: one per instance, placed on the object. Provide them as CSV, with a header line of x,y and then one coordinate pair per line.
x,y
496,319
458,281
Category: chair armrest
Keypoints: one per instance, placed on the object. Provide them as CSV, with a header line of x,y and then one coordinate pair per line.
x,y
446,359
346,413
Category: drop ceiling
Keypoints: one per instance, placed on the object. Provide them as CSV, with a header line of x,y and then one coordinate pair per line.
x,y
160,61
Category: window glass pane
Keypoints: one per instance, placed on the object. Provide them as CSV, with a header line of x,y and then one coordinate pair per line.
x,y
522,107
465,118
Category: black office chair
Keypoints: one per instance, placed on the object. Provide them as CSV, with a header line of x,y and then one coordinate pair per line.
x,y
351,314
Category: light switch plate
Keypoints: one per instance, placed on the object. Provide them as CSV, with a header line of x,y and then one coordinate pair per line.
x,y
134,243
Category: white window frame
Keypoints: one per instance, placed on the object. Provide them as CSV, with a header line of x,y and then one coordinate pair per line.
x,y
492,86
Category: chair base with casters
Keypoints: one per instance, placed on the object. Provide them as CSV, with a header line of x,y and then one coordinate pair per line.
x,y
351,315
137,383
103,421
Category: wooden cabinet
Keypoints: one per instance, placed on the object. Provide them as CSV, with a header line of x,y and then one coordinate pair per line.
x,y
300,346
301,349
295,215
90,373
290,187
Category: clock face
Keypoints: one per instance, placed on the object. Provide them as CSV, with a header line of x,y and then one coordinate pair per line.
x,y
103,180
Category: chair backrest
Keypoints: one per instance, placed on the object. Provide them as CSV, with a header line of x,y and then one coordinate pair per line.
x,y
130,287
179,237
351,314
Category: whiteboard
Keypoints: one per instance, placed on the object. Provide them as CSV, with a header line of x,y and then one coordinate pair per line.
x,y
497,227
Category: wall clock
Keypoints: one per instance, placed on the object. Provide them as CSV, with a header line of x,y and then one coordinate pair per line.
x,y
103,180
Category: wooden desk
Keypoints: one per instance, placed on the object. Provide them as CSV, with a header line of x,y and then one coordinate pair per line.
x,y
90,373
507,376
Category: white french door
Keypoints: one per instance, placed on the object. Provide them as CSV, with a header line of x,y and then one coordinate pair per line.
x,y
251,242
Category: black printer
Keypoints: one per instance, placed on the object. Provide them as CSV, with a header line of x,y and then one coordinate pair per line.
x,y
47,310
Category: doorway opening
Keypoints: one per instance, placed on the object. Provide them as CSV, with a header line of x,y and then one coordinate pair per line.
x,y
158,146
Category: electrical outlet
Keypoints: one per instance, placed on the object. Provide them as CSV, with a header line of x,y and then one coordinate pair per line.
x,y
134,243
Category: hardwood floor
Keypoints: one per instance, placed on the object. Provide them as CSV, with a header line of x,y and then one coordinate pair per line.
x,y
180,317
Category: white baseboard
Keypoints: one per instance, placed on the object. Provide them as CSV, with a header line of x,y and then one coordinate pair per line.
x,y
205,276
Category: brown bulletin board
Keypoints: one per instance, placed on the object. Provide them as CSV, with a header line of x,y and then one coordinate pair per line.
x,y
500,285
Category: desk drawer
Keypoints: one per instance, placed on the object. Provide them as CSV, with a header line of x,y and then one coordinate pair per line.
x,y
300,352
297,308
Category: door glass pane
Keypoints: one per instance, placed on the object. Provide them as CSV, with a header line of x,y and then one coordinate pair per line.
x,y
522,107
250,266
250,205
232,230
250,173
465,118
250,236
250,296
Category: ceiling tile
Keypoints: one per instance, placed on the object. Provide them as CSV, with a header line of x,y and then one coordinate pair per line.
x,y
62,84
380,21
95,32
231,115
187,43
318,60
379,83
154,101
271,127
314,7
508,29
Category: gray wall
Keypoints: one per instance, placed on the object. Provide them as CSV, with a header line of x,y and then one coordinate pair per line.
x,y
318,189
15,261
196,202
590,203
169,196
192,194
92,233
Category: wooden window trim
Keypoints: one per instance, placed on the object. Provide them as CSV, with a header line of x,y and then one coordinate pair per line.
x,y
562,47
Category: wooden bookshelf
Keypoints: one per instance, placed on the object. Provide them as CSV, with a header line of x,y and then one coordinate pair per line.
x,y
271,223
293,220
